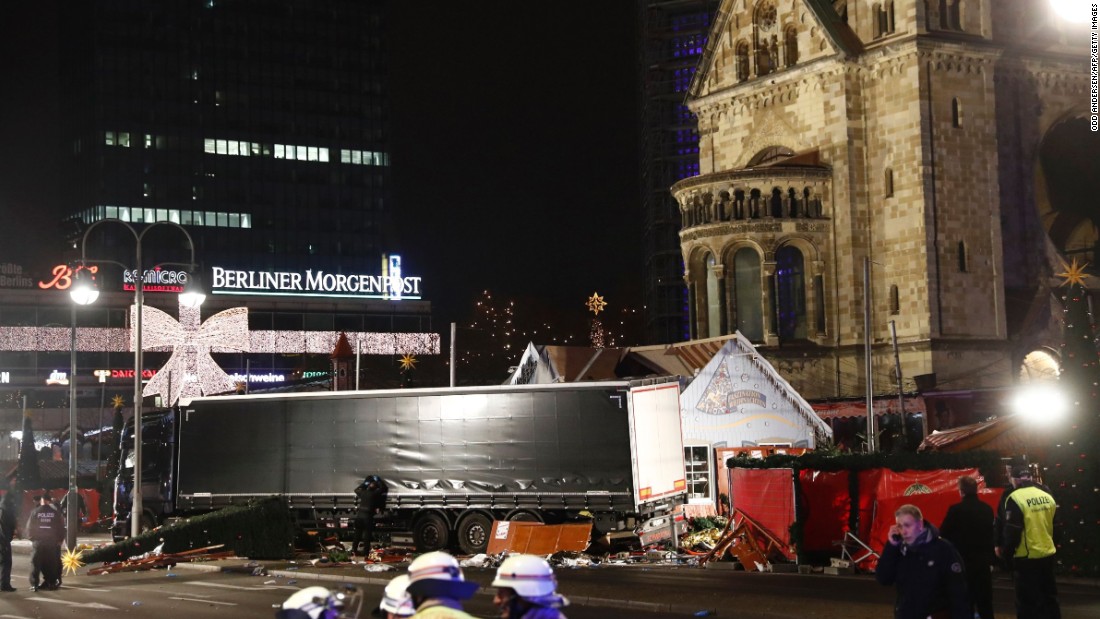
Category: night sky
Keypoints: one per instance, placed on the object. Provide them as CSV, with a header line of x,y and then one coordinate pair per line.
x,y
514,149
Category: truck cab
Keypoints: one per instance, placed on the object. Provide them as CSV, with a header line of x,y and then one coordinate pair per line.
x,y
160,433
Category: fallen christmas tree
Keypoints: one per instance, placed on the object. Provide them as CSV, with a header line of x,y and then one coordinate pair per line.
x,y
262,529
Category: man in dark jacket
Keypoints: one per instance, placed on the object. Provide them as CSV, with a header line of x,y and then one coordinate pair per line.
x,y
925,568
372,499
8,514
969,526
46,530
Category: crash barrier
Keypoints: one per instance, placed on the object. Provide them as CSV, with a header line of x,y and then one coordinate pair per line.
x,y
748,542
823,504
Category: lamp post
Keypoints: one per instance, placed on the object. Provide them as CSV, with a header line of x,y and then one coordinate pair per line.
x,y
191,296
72,502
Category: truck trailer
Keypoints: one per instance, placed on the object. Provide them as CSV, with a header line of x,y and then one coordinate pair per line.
x,y
453,459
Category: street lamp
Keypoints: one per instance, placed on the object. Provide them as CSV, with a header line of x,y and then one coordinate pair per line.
x,y
191,296
87,295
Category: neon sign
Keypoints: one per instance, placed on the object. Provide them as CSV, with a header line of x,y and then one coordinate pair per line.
x,y
126,373
317,283
268,377
63,277
155,280
58,378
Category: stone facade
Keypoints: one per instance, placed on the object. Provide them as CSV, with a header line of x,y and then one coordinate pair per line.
x,y
903,133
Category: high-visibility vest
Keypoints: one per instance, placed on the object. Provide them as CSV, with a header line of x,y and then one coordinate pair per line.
x,y
1037,507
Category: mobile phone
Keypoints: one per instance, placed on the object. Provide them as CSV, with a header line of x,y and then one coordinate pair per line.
x,y
896,538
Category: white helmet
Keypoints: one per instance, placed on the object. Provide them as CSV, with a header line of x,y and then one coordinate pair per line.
x,y
320,603
437,574
529,576
396,600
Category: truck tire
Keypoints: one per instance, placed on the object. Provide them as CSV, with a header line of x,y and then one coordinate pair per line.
x,y
431,532
523,515
474,530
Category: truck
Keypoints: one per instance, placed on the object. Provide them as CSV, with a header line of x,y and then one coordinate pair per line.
x,y
454,459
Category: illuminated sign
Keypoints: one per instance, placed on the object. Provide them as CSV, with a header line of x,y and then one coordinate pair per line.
x,y
63,277
124,373
316,284
258,378
391,272
58,378
155,280
5,377
12,276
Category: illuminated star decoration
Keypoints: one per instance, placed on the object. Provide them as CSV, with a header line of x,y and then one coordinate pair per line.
x,y
71,560
408,362
1074,273
595,303
117,401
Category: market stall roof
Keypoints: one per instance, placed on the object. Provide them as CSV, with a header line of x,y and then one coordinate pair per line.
x,y
1007,435
914,405
566,364
681,358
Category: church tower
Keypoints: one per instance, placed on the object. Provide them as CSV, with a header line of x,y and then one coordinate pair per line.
x,y
896,136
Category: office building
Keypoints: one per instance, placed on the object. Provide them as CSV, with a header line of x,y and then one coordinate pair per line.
x,y
672,36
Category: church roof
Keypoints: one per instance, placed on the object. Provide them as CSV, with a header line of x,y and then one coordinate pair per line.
x,y
840,35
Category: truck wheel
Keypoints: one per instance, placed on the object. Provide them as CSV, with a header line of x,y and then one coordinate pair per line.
x,y
431,533
473,533
522,515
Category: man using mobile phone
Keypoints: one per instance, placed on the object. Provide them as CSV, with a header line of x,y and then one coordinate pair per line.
x,y
925,568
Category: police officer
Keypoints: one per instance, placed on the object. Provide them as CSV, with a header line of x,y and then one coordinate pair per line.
x,y
1027,545
372,498
46,530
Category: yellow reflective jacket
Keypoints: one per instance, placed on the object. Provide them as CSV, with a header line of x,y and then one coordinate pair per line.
x,y
1029,522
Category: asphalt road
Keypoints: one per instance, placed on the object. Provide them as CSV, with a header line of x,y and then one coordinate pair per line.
x,y
598,592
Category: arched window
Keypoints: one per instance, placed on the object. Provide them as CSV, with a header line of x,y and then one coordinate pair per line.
x,y
964,265
895,301
956,113
790,291
951,14
776,203
741,52
738,204
754,203
747,295
888,182
790,45
715,305
766,48
883,15
792,202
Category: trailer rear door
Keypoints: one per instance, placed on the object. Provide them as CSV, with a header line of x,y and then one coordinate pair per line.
x,y
657,447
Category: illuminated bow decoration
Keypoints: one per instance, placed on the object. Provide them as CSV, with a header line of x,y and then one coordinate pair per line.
x,y
191,371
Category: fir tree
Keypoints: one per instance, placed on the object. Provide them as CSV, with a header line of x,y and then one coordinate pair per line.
x,y
1071,467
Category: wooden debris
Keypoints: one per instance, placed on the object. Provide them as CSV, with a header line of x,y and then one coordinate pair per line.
x,y
166,559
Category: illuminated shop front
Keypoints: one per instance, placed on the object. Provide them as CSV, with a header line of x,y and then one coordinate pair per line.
x,y
279,336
